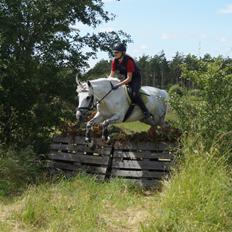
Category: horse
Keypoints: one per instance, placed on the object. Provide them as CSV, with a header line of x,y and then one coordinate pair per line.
x,y
112,105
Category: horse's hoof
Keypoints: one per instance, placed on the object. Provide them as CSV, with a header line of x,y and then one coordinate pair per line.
x,y
106,139
90,144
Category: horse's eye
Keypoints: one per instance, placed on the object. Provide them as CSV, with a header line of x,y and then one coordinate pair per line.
x,y
88,98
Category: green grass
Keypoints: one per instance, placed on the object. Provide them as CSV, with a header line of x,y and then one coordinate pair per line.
x,y
198,197
133,127
80,204
137,127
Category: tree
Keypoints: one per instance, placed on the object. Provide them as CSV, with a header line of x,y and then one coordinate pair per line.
x,y
101,69
175,68
39,53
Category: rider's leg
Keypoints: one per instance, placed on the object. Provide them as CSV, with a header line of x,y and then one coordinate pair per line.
x,y
134,88
138,100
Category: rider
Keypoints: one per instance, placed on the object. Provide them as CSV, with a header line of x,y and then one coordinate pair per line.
x,y
131,76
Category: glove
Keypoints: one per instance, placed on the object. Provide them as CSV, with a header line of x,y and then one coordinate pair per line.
x,y
115,87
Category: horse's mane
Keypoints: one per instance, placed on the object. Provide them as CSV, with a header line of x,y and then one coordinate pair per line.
x,y
84,85
105,79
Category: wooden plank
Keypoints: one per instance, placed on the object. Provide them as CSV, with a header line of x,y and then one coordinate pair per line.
x,y
141,165
80,158
79,140
143,154
88,159
159,146
64,156
138,174
67,167
76,148
64,166
94,170
62,147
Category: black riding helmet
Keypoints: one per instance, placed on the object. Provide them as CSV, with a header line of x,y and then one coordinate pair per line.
x,y
120,47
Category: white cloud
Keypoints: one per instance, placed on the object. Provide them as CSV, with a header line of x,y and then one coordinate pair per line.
x,y
143,47
167,36
203,36
222,39
226,10
136,51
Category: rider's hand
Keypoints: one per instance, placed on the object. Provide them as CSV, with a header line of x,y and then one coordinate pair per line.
x,y
115,87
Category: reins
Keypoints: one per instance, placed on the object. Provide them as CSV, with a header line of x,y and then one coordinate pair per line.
x,y
99,101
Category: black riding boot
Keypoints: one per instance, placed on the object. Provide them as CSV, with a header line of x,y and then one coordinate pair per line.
x,y
133,89
138,100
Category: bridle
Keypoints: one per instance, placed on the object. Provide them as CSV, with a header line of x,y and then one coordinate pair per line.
x,y
92,105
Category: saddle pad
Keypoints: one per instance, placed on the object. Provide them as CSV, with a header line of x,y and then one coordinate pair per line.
x,y
143,95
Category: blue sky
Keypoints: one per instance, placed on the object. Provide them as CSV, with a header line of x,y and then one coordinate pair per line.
x,y
196,27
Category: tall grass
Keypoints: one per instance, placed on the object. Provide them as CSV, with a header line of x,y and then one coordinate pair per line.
x,y
81,204
198,196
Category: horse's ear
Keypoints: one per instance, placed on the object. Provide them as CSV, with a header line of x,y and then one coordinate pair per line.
x,y
77,80
89,84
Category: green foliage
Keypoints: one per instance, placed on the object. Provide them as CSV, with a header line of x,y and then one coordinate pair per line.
x,y
187,109
156,70
198,196
209,112
17,169
176,90
101,69
40,51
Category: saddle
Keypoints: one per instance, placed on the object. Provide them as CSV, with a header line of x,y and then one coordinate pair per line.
x,y
132,104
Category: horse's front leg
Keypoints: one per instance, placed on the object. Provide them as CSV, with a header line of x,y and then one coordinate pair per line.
x,y
98,118
106,123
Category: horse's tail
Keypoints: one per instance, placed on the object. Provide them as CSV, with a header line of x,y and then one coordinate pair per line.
x,y
167,102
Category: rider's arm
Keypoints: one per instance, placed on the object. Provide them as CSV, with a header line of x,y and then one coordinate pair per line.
x,y
112,73
130,69
113,69
127,80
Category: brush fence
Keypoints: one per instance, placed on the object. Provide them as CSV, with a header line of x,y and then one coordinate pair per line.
x,y
143,163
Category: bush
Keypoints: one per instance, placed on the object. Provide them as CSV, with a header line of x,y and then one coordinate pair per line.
x,y
176,90
208,112
195,92
17,169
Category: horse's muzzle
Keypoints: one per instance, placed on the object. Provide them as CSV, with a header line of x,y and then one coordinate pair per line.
x,y
79,116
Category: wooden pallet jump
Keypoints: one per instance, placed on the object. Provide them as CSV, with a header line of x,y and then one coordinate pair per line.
x,y
142,163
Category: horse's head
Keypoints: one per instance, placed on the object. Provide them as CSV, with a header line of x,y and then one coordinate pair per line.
x,y
86,99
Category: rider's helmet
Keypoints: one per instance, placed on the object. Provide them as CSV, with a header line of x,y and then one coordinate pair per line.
x,y
121,47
